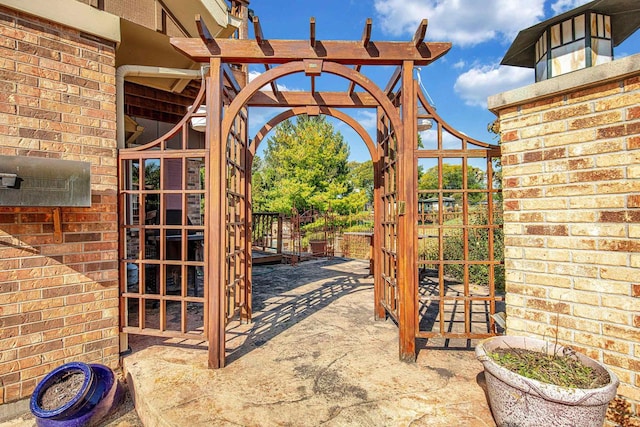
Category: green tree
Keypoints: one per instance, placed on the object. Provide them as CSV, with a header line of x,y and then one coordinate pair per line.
x,y
305,165
258,186
361,178
452,179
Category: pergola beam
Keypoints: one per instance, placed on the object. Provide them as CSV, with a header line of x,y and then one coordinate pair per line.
x,y
323,99
366,34
352,84
395,78
312,32
257,30
418,37
262,51
203,31
274,85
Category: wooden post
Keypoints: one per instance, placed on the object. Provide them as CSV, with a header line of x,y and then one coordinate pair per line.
x,y
249,235
378,231
407,264
216,214
279,236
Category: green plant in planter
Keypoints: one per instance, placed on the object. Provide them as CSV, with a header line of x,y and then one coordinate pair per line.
x,y
317,236
564,370
519,372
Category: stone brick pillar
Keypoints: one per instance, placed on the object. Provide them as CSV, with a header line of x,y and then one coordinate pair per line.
x,y
58,301
571,170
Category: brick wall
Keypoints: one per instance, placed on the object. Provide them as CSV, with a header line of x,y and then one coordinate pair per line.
x,y
58,302
571,168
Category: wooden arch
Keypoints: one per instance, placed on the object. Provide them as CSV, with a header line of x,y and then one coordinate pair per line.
x,y
302,66
227,156
327,111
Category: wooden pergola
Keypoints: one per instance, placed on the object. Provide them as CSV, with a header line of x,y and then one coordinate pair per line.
x,y
227,157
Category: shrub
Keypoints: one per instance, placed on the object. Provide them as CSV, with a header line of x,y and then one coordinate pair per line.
x,y
478,240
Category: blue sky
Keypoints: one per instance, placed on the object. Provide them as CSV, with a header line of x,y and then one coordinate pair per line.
x,y
458,83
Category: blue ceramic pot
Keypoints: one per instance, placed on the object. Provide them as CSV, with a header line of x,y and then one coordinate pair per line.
x,y
99,393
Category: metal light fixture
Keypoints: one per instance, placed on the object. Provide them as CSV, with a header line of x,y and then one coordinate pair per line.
x,y
8,180
424,121
577,39
199,120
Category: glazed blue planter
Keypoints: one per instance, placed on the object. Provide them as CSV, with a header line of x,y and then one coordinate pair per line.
x,y
99,393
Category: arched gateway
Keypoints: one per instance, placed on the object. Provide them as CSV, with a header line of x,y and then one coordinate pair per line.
x,y
186,208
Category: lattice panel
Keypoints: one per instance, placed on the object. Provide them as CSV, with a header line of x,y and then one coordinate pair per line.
x,y
459,226
162,240
389,256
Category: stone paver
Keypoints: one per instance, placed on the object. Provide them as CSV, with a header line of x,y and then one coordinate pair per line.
x,y
313,356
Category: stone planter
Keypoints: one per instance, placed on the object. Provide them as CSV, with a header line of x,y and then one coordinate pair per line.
x,y
99,393
519,401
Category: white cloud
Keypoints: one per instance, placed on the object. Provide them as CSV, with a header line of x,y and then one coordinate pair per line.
x,y
475,85
459,64
254,74
564,5
368,120
464,22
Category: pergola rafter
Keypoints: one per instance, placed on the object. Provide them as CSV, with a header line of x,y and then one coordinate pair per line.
x,y
298,99
362,52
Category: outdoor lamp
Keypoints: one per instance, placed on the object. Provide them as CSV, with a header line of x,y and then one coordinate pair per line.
x,y
575,43
8,180
579,38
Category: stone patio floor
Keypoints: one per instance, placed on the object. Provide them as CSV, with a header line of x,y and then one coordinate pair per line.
x,y
313,356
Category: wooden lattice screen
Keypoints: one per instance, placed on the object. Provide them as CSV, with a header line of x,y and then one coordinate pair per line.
x,y
162,202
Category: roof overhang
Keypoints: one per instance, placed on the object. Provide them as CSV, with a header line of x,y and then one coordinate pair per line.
x,y
71,13
144,46
214,12
625,20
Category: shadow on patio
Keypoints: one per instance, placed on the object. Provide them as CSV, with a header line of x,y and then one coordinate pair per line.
x,y
313,356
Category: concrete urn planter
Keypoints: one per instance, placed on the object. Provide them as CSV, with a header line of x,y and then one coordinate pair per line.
x,y
519,401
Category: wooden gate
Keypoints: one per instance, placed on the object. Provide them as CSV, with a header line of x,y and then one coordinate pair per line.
x,y
401,267
458,217
163,193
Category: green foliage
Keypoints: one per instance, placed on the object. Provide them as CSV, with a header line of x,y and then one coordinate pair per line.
x,y
344,222
560,370
452,179
258,186
361,178
478,244
359,228
305,165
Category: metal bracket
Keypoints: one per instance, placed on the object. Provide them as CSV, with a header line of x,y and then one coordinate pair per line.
x,y
312,67
57,227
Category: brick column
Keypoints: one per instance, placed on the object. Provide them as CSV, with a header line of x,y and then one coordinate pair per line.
x,y
58,302
571,168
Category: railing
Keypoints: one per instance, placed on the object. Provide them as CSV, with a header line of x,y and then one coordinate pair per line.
x,y
266,233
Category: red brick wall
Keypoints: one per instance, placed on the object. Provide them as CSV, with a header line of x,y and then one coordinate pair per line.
x,y
58,302
571,169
